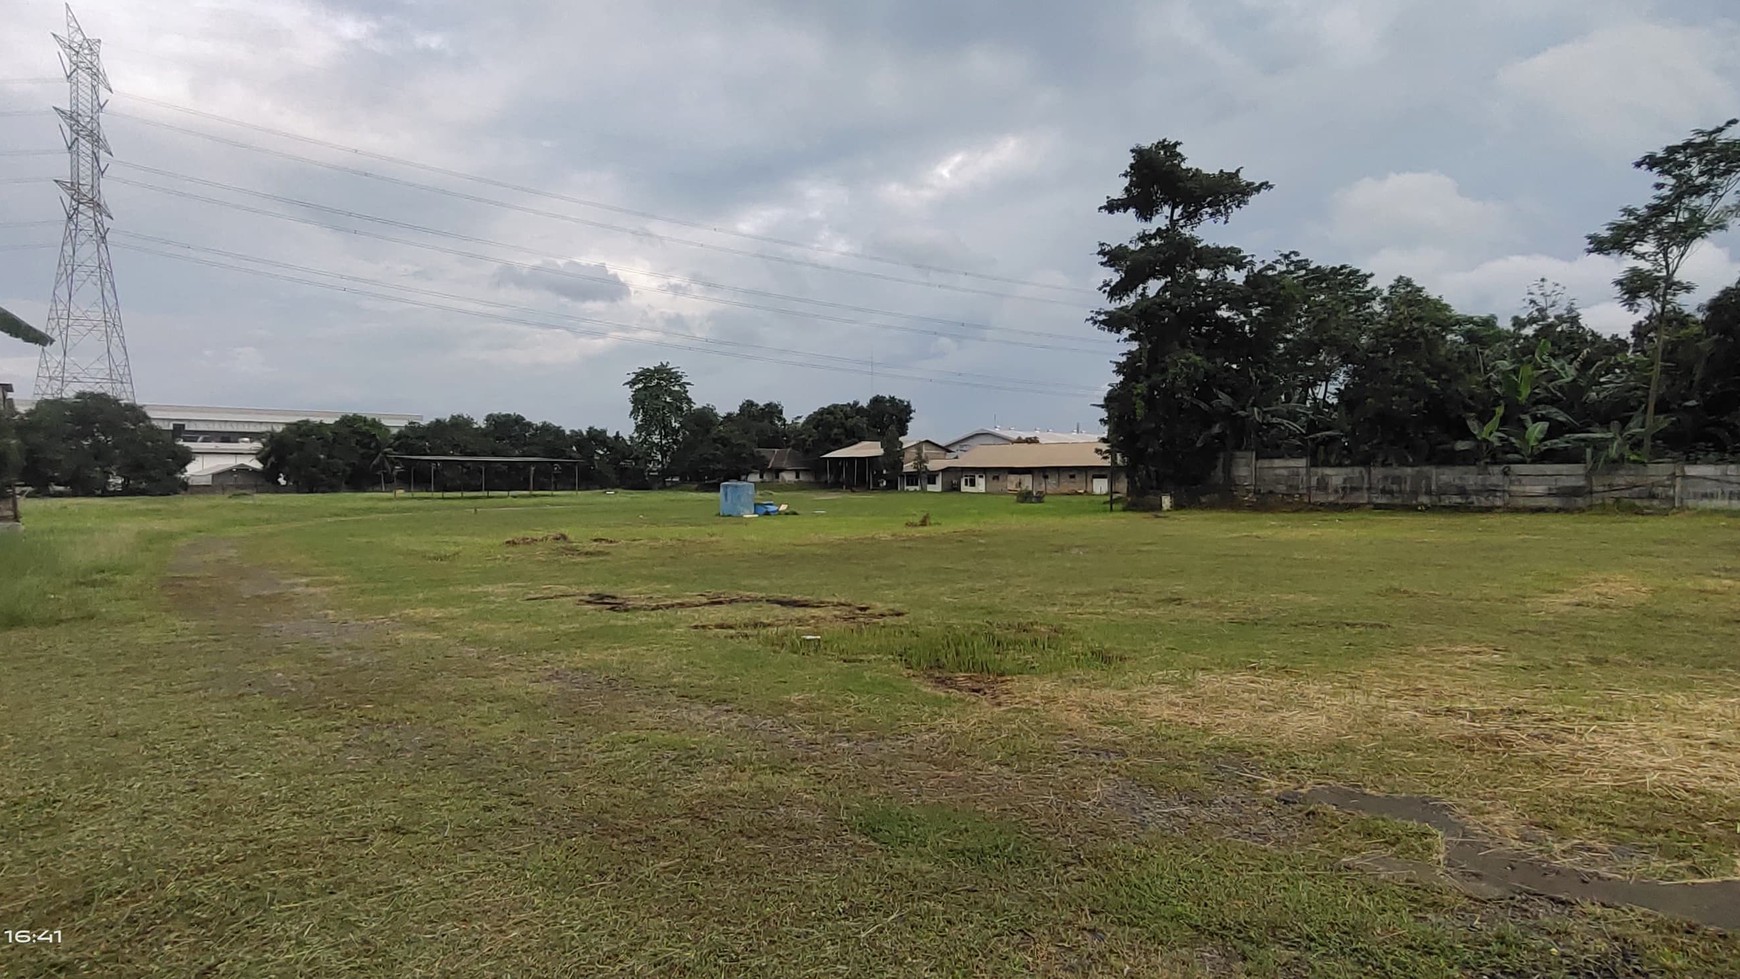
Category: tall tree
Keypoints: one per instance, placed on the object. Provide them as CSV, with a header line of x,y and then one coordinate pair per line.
x,y
893,460
1180,302
658,398
303,456
11,452
885,411
709,451
1410,385
1695,197
831,427
93,444
764,425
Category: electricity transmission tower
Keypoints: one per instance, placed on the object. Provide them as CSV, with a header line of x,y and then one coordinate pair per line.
x,y
84,317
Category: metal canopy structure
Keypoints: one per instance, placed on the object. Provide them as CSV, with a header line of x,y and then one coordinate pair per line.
x,y
435,462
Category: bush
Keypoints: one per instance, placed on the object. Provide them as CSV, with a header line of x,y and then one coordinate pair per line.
x,y
1030,496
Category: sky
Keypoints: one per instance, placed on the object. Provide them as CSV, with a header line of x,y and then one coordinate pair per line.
x,y
802,202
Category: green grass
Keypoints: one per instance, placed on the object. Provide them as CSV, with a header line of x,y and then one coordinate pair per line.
x,y
333,736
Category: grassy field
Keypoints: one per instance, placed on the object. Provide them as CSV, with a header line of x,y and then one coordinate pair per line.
x,y
301,736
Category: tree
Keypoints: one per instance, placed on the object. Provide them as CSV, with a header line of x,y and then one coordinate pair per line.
x,y
1180,303
709,451
831,427
322,457
1694,199
301,456
658,398
11,452
1411,383
764,425
93,444
884,411
893,459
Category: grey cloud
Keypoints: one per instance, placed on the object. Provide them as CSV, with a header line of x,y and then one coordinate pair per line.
x,y
575,281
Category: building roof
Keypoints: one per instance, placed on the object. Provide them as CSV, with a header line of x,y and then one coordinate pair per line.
x,y
783,459
1028,455
1043,437
215,468
867,449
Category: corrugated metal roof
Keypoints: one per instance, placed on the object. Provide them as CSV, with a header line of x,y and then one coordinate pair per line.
x,y
782,459
1027,455
867,449
1047,438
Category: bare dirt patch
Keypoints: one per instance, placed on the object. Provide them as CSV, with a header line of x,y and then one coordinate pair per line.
x,y
1490,865
1237,815
827,611
556,538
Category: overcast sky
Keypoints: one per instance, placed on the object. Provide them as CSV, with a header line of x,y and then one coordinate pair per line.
x,y
1470,145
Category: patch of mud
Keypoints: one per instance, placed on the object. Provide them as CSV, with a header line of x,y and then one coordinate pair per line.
x,y
575,550
1244,816
831,611
981,685
1491,867
556,538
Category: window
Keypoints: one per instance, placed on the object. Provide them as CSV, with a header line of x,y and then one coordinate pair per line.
x,y
971,482
931,479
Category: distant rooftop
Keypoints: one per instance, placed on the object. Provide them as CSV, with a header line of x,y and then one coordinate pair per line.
x,y
1042,436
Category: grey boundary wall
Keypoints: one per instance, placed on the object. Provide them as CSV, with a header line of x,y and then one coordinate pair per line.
x,y
1496,486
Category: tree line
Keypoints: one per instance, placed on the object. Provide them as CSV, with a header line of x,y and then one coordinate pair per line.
x,y
674,441
1288,357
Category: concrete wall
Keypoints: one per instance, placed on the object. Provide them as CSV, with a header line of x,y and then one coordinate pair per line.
x,y
1497,486
1071,481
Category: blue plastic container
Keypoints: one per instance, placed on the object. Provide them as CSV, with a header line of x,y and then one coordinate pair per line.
x,y
736,499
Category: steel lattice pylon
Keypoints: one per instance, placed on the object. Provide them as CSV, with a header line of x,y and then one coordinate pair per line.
x,y
84,318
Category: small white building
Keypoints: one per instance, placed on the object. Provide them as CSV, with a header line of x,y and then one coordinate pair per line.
x,y
782,466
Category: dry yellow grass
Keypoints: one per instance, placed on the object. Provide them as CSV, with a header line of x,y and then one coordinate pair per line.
x,y
1683,743
1600,592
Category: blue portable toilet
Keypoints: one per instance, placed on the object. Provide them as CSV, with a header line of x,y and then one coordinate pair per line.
x,y
736,499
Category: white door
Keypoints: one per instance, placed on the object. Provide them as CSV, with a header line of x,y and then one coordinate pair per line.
x,y
1102,485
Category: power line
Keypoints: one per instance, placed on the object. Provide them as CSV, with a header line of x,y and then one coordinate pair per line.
x,y
529,309
1083,345
32,152
587,222
584,202
816,360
